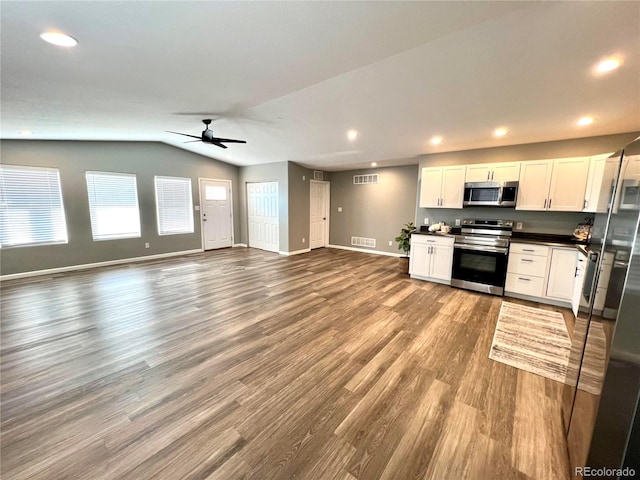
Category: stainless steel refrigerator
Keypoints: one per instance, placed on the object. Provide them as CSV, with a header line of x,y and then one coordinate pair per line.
x,y
600,398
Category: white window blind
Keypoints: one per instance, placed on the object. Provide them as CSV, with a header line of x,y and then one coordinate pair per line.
x,y
174,205
113,205
31,210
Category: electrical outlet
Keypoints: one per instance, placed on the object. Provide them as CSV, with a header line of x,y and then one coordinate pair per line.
x,y
518,225
339,209
303,178
304,240
146,245
390,243
457,222
426,220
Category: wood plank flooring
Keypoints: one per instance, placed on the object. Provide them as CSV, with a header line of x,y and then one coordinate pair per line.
x,y
242,364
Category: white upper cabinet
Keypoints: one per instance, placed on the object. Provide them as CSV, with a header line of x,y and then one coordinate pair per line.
x,y
442,187
568,184
452,187
602,171
430,187
533,189
493,172
478,173
557,185
506,172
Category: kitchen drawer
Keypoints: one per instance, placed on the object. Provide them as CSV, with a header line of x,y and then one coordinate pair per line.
x,y
524,284
442,240
526,264
529,249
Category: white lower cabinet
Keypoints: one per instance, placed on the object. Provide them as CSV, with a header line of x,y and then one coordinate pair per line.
x,y
431,258
549,274
562,273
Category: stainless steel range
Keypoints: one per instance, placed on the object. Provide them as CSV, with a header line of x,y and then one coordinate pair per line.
x,y
480,255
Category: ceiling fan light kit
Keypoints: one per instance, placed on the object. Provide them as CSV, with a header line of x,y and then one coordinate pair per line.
x,y
207,136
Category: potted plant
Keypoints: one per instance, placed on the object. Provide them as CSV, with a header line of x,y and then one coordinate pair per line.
x,y
404,244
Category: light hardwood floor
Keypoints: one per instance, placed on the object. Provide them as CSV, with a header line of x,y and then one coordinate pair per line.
x,y
244,364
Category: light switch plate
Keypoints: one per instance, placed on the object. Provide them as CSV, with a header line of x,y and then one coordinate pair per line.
x,y
339,209
426,220
457,222
518,225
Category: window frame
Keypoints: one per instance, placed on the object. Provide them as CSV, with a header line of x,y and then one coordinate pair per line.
x,y
135,185
189,209
56,170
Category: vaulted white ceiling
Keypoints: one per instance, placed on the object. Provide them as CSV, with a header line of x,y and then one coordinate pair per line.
x,y
292,77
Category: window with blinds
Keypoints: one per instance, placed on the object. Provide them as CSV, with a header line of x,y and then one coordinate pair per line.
x,y
113,205
174,205
31,209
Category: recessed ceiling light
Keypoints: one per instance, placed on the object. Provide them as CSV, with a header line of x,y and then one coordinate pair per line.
x,y
58,38
608,64
352,134
584,121
500,132
437,140
374,164
26,133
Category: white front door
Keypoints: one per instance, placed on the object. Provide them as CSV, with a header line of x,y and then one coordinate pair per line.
x,y
262,212
215,205
319,221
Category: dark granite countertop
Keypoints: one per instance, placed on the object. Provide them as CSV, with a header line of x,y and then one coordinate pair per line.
x,y
550,239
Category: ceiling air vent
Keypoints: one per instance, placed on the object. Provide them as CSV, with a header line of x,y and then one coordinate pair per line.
x,y
365,179
318,175
363,242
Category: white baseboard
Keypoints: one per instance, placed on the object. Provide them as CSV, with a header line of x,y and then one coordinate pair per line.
x,y
87,266
239,245
296,252
364,250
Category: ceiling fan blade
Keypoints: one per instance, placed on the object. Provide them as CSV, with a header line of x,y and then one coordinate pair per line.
x,y
228,140
218,144
185,134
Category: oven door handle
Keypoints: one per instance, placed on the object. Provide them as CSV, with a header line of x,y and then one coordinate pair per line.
x,y
481,248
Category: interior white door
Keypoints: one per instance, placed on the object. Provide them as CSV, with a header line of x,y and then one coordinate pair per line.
x,y
262,210
318,215
215,205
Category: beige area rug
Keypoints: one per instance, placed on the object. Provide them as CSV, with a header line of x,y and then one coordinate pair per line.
x,y
537,341
532,339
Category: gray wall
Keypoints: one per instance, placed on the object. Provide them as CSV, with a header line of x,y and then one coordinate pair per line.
x,y
145,159
376,211
268,172
540,222
299,208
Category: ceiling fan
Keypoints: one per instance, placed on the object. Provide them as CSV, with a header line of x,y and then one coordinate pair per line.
x,y
207,136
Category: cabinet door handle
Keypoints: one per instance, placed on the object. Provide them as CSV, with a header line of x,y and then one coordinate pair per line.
x,y
528,250
525,260
492,174
545,203
585,203
550,203
576,272
488,174
524,279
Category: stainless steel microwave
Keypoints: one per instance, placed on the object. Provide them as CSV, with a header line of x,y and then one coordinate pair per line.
x,y
490,194
630,195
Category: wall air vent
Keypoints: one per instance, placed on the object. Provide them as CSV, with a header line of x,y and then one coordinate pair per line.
x,y
318,175
365,179
363,242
